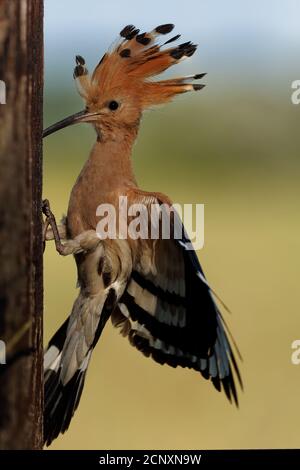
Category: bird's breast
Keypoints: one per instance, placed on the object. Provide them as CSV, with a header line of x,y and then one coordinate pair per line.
x,y
88,205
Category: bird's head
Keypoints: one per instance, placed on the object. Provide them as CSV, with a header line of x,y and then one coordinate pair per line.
x,y
122,86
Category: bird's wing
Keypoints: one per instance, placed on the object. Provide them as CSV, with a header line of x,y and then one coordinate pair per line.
x,y
168,310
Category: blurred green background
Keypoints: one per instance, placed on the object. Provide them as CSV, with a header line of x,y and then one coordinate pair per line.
x,y
235,148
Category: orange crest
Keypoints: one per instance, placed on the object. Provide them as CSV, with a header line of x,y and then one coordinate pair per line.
x,y
130,66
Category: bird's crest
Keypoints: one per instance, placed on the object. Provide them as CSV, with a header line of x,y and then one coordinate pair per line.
x,y
132,63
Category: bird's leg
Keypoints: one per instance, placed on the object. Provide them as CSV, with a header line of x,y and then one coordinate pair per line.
x,y
86,241
71,246
48,232
50,220
45,230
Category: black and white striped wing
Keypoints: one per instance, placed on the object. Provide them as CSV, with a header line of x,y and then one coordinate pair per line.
x,y
168,312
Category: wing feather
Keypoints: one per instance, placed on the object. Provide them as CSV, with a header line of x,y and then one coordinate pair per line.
x,y
168,310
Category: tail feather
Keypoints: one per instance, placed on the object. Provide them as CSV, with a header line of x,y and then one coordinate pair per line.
x,y
64,377
61,403
61,400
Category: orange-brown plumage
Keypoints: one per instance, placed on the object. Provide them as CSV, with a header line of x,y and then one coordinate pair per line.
x,y
130,66
128,80
153,289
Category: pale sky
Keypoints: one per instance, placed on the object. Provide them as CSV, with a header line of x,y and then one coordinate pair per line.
x,y
257,39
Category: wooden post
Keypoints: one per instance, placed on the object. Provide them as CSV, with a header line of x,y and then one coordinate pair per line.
x,y
21,275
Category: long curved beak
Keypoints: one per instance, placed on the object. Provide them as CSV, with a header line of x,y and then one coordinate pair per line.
x,y
76,118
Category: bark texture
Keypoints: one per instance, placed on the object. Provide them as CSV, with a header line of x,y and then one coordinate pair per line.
x,y
21,275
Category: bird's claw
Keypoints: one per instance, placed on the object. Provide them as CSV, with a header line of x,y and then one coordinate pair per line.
x,y
46,208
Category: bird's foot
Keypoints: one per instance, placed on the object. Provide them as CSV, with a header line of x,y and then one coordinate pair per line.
x,y
54,232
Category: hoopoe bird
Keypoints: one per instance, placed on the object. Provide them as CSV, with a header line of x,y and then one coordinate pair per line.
x,y
153,290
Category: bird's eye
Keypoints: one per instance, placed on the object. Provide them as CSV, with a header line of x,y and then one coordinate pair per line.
x,y
113,105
